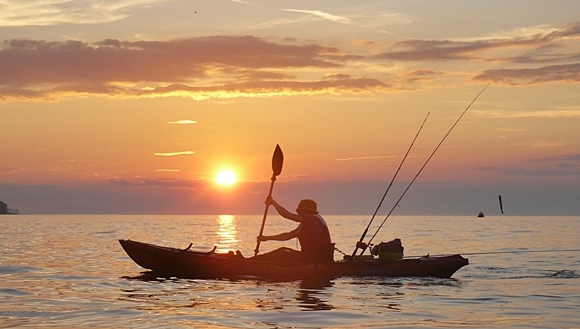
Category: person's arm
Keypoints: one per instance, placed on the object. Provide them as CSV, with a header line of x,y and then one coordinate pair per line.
x,y
282,236
282,211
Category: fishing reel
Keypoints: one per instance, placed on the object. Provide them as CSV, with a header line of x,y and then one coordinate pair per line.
x,y
361,245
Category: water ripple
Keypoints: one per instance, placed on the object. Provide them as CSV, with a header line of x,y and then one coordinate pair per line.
x,y
70,272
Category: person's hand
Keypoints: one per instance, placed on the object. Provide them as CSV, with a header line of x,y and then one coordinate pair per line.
x,y
269,200
261,238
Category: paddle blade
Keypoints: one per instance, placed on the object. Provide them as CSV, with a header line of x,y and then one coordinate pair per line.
x,y
277,161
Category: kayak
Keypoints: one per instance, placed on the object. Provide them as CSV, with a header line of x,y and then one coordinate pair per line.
x,y
185,263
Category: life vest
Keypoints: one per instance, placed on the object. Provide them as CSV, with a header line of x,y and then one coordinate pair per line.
x,y
314,237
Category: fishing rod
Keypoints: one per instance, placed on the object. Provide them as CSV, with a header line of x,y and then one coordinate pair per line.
x,y
365,246
360,243
501,252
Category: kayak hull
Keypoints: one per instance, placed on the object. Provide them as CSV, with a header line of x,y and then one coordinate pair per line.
x,y
182,263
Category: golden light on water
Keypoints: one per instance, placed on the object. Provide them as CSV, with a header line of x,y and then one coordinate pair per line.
x,y
228,235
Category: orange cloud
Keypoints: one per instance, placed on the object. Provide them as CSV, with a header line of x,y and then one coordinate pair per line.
x,y
443,50
210,66
172,154
246,66
366,158
182,122
153,182
557,47
551,73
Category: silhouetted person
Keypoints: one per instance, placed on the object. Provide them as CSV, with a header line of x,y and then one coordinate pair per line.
x,y
313,234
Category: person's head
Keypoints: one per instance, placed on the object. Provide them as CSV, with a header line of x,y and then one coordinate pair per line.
x,y
308,206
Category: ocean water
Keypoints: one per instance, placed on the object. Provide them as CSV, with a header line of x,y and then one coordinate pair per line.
x,y
70,272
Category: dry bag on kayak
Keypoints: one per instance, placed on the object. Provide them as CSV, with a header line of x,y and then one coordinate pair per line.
x,y
390,250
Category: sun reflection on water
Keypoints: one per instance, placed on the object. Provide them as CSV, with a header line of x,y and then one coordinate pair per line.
x,y
227,232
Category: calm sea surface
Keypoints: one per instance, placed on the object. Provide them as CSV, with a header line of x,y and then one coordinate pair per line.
x,y
70,272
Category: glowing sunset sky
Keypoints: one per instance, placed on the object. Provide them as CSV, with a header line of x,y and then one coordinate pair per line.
x,y
135,106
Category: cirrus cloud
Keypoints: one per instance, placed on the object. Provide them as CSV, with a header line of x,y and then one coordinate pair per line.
x,y
46,13
172,154
182,122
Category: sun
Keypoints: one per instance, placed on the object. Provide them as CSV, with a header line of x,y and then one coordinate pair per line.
x,y
226,177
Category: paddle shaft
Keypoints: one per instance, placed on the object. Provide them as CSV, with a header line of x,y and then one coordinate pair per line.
x,y
277,163
257,250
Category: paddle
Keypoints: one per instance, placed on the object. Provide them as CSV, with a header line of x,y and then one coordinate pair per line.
x,y
277,162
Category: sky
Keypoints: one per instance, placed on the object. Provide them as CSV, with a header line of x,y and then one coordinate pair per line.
x,y
135,106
